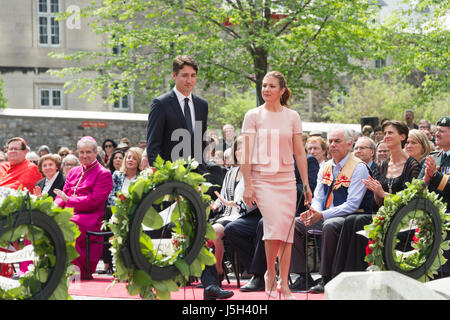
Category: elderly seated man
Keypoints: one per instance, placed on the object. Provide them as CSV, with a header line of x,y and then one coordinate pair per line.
x,y
339,193
86,190
18,172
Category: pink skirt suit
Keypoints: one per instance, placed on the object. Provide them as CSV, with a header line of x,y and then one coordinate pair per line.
x,y
273,175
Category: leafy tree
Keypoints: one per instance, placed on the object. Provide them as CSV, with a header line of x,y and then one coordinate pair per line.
x,y
3,100
417,41
384,97
235,42
416,77
231,109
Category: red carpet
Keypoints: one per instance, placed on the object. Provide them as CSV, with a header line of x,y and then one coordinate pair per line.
x,y
98,287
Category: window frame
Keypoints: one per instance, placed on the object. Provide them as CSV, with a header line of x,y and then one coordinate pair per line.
x,y
51,92
50,25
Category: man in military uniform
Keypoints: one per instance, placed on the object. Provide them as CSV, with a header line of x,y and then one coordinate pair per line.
x,y
436,173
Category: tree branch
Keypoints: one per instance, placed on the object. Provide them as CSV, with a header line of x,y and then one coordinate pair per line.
x,y
233,71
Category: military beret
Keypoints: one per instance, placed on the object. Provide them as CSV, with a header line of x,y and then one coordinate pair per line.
x,y
444,122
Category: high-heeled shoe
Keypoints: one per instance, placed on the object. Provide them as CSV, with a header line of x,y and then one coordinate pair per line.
x,y
286,297
269,287
108,270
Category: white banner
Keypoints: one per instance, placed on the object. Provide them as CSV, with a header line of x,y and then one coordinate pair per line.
x,y
8,284
26,254
164,246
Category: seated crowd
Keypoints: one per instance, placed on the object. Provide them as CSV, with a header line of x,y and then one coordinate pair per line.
x,y
349,174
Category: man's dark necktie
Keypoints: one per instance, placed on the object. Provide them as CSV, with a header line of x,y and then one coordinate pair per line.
x,y
187,115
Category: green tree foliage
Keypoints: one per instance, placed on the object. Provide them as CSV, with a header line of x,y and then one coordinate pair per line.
x,y
235,42
231,109
384,97
416,41
3,100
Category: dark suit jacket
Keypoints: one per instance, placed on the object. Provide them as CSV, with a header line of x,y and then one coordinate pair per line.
x,y
57,184
313,170
374,170
164,118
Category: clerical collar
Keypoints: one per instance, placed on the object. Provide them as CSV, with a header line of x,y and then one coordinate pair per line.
x,y
90,166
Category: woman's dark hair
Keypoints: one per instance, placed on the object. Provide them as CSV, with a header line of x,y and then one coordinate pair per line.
x,y
283,84
237,140
401,128
109,140
111,164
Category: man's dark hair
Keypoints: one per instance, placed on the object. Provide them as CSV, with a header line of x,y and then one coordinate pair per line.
x,y
23,144
180,61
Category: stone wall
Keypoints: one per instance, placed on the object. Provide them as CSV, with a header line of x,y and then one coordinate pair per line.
x,y
57,131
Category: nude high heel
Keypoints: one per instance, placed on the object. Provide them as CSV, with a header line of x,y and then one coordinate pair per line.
x,y
269,287
286,297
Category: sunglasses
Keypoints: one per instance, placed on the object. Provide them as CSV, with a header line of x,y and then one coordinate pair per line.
x,y
108,145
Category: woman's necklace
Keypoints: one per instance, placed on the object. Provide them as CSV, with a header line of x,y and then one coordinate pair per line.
x,y
390,182
81,177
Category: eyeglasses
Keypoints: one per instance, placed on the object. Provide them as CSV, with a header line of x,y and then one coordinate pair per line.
x,y
361,148
108,145
69,164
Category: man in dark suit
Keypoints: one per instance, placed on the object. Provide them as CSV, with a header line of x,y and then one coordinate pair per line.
x,y
177,120
245,233
176,126
436,175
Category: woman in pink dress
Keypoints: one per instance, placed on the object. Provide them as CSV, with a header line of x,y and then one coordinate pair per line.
x,y
272,137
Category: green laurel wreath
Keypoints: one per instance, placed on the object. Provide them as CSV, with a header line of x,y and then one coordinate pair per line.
x,y
11,202
423,235
139,282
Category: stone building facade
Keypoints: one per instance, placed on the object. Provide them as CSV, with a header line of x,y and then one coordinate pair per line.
x,y
29,32
63,128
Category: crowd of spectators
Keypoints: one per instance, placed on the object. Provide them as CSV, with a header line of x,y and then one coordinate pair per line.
x,y
395,152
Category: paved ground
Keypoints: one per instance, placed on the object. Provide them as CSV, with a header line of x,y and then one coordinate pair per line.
x,y
100,267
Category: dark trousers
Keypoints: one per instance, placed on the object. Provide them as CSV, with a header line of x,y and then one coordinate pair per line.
x,y
298,258
331,229
245,236
210,276
106,254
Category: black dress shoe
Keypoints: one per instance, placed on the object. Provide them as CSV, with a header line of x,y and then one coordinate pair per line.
x,y
214,292
302,284
106,271
320,287
256,283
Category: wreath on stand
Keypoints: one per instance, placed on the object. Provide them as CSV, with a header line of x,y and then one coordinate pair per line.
x,y
51,235
416,211
151,272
